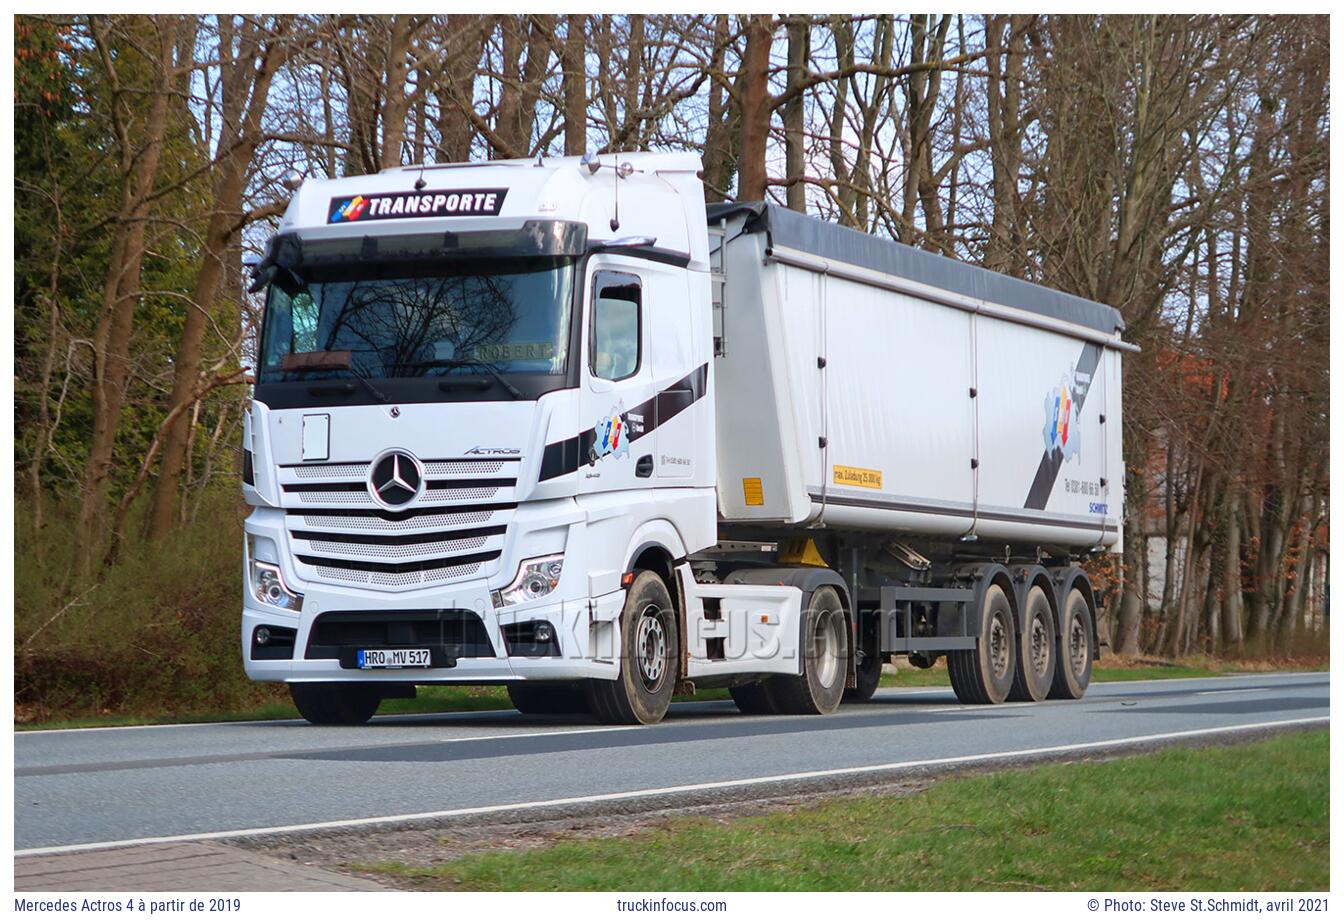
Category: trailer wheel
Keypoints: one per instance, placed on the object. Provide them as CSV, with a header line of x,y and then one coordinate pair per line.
x,y
336,703
985,674
1036,653
825,655
867,661
650,651
548,699
1073,672
753,699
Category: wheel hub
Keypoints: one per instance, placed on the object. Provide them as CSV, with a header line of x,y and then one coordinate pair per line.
x,y
826,647
998,646
1040,647
651,647
1077,645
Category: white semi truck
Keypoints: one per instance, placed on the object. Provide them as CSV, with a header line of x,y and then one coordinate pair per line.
x,y
555,425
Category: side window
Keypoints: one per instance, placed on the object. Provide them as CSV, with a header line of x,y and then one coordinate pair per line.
x,y
613,351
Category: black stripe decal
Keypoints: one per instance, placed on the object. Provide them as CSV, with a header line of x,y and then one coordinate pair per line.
x,y
1048,471
563,457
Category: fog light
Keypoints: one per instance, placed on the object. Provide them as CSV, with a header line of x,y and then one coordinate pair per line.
x,y
263,635
543,633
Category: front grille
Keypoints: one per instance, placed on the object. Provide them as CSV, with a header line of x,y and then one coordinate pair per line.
x,y
453,633
454,530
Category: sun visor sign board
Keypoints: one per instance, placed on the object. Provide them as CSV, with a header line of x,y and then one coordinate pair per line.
x,y
481,202
919,417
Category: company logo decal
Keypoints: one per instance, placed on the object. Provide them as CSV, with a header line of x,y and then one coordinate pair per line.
x,y
484,202
611,434
1062,411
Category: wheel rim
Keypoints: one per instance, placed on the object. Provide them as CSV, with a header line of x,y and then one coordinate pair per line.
x,y
1077,645
651,647
826,647
999,656
1040,646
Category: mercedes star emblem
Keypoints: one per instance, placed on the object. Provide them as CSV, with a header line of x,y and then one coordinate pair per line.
x,y
395,479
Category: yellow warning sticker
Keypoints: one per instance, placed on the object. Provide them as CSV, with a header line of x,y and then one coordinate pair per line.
x,y
856,476
752,493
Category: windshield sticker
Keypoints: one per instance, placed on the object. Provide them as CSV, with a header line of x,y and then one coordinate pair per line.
x,y
481,202
514,351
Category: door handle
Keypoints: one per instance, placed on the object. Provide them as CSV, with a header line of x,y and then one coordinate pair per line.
x,y
644,466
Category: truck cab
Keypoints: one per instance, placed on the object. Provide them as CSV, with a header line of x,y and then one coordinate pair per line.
x,y
478,409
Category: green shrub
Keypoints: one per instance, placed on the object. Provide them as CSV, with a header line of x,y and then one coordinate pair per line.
x,y
156,632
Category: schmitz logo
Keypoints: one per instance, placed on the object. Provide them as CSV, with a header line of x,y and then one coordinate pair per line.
x,y
480,202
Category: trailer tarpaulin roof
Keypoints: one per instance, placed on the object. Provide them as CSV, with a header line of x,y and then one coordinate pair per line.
x,y
834,243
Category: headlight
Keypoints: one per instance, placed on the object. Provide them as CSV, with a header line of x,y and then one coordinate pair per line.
x,y
536,578
265,578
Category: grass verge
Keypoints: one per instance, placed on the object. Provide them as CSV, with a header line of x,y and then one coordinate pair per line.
x,y
1251,817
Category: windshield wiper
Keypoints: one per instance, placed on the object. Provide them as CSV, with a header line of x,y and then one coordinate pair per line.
x,y
301,362
471,362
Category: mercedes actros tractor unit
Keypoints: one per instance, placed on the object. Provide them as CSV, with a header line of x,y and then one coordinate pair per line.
x,y
558,426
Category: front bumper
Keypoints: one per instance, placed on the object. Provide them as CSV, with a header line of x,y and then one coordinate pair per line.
x,y
585,634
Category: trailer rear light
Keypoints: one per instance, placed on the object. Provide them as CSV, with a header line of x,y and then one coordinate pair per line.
x,y
536,578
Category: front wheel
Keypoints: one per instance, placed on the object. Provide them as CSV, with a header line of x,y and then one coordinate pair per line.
x,y
336,704
548,699
650,652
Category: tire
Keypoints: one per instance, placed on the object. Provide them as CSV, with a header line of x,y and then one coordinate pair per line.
x,y
984,674
825,653
650,655
867,661
335,703
1073,671
548,699
1037,650
753,699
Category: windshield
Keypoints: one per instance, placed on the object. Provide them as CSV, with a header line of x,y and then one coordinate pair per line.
x,y
416,320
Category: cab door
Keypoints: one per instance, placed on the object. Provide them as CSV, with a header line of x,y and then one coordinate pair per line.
x,y
616,440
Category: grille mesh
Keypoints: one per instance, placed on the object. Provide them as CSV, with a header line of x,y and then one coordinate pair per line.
x,y
398,579
379,525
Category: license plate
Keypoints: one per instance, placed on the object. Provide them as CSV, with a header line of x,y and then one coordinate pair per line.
x,y
392,658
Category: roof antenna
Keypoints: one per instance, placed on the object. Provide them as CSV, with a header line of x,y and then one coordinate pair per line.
x,y
420,181
616,199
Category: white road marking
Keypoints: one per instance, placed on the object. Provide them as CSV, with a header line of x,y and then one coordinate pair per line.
x,y
670,790
1241,690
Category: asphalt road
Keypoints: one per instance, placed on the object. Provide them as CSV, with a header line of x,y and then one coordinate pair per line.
x,y
81,789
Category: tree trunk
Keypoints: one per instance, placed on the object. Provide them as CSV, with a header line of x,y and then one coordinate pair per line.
x,y
751,180
250,86
792,114
140,157
575,86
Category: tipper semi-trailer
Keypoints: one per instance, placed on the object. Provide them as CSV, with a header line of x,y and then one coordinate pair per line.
x,y
557,425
